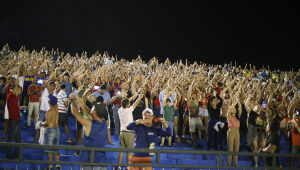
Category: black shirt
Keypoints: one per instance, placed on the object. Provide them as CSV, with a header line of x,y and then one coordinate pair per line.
x,y
214,113
256,119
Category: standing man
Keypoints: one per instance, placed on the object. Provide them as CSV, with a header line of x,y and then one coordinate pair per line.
x,y
13,106
62,103
48,87
126,117
51,133
106,96
94,133
34,92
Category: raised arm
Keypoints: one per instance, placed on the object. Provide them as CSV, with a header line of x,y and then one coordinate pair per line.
x,y
84,121
135,104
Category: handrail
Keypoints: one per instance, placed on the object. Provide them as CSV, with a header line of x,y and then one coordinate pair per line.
x,y
92,150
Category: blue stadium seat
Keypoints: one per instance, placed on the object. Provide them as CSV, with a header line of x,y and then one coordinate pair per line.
x,y
245,163
181,156
33,151
8,165
211,157
32,157
197,162
28,139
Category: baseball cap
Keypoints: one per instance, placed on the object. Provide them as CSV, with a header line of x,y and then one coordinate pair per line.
x,y
53,99
148,110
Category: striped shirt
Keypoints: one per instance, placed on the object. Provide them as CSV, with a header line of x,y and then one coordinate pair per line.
x,y
61,99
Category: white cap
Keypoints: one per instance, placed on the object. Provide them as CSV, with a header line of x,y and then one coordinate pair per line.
x,y
148,110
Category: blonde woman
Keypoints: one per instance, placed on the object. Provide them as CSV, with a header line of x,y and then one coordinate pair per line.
x,y
233,133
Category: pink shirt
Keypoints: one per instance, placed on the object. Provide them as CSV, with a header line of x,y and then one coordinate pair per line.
x,y
126,117
233,122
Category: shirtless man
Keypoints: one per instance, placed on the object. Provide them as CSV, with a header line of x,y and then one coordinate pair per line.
x,y
51,133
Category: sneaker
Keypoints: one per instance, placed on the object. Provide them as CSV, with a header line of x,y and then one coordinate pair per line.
x,y
70,140
118,168
50,168
58,167
77,153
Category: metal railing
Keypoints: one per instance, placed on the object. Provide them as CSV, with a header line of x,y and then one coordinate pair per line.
x,y
92,151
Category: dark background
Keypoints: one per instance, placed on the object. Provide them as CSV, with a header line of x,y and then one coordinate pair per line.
x,y
212,31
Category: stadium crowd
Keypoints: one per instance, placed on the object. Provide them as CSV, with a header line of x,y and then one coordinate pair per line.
x,y
221,103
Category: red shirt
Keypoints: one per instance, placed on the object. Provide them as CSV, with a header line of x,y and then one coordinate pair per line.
x,y
295,137
34,97
156,102
117,102
13,106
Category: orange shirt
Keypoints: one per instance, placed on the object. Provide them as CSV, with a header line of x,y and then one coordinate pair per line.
x,y
295,137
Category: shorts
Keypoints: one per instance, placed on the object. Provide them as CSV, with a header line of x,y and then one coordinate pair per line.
x,y
186,112
51,137
171,126
196,123
254,131
295,149
63,119
42,116
176,112
127,139
203,112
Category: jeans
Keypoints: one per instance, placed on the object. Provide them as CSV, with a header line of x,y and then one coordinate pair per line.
x,y
14,134
116,119
213,135
33,107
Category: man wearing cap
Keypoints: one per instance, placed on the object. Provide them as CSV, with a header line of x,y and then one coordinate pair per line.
x,y
48,88
51,132
145,137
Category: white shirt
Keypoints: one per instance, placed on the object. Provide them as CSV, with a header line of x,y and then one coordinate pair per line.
x,y
126,117
45,99
61,99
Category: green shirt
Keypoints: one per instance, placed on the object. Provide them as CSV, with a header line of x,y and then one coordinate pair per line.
x,y
169,112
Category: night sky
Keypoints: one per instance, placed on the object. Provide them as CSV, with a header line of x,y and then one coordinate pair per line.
x,y
212,31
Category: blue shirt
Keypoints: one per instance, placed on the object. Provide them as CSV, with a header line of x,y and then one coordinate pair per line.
x,y
68,88
141,141
97,138
106,96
